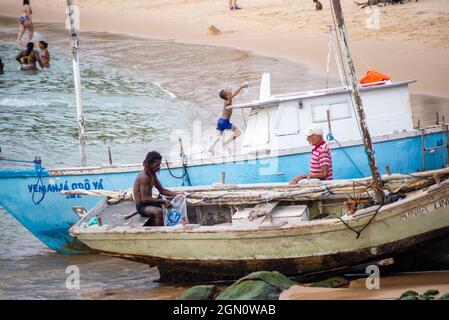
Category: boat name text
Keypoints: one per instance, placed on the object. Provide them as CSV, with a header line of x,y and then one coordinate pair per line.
x,y
416,212
58,187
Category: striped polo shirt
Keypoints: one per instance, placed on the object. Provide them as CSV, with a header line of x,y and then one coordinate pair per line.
x,y
321,156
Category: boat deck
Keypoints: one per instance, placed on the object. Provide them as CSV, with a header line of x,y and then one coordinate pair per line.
x,y
113,219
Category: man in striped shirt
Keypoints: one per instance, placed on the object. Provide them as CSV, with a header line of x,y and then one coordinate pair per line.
x,y
321,161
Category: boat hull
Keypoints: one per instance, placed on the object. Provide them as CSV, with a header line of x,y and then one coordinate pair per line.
x,y
214,253
49,216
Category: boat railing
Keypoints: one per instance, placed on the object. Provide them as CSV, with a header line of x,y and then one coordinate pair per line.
x,y
276,99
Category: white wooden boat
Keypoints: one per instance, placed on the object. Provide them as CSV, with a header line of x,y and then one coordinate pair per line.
x,y
236,230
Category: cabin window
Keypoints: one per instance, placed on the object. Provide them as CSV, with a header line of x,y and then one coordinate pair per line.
x,y
338,110
287,120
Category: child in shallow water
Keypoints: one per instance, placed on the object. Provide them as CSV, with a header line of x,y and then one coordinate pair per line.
x,y
28,58
44,55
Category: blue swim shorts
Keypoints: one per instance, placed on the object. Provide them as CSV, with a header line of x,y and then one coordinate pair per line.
x,y
223,124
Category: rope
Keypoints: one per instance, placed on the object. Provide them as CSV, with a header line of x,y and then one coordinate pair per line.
x,y
330,137
184,167
39,180
417,177
328,191
39,169
19,161
359,232
184,175
361,60
343,66
244,119
365,185
169,171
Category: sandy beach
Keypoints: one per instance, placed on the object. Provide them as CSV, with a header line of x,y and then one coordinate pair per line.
x,y
408,41
390,288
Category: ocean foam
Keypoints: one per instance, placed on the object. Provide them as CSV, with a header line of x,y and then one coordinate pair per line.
x,y
170,94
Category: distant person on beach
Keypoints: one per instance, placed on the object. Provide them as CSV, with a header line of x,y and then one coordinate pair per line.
x,y
233,5
28,58
146,204
25,21
44,55
224,122
321,160
318,5
1,65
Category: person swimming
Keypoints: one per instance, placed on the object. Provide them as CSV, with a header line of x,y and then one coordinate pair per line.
x,y
28,58
44,55
25,21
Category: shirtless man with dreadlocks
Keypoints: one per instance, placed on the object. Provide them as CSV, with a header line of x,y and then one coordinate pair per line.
x,y
146,204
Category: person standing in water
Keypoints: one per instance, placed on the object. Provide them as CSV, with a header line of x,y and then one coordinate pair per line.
x,y
1,65
28,58
25,21
44,55
224,122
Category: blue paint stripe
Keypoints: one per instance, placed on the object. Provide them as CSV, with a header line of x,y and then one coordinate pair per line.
x,y
22,173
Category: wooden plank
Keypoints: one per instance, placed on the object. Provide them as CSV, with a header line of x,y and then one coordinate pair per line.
x,y
260,210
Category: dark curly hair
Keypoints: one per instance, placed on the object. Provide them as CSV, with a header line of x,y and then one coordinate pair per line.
x,y
45,44
151,158
223,95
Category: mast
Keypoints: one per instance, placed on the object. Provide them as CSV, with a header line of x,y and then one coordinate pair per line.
x,y
377,182
77,80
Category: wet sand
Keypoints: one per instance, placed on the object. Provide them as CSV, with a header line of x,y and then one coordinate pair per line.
x,y
411,42
391,288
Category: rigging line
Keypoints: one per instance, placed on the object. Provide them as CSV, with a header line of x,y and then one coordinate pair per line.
x,y
361,59
244,119
39,180
184,167
344,69
330,137
19,161
359,232
169,171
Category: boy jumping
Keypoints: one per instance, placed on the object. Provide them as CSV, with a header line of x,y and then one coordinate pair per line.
x,y
224,123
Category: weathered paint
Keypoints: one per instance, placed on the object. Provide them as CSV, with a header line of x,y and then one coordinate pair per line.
x,y
51,219
225,252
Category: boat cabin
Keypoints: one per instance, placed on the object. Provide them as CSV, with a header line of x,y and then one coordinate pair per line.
x,y
277,122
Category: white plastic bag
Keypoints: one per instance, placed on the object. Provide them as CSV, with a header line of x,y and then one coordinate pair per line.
x,y
177,213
